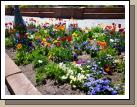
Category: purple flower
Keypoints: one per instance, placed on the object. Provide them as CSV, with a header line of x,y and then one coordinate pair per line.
x,y
89,47
39,41
114,92
81,61
75,56
90,79
105,82
93,92
30,44
84,43
97,89
17,34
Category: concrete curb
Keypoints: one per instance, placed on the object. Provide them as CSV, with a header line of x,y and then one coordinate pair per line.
x,y
16,81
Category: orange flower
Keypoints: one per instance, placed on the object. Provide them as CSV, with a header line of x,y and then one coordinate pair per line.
x,y
19,46
61,27
48,44
102,44
107,69
37,37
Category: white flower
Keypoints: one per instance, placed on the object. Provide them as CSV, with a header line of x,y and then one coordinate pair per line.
x,y
40,61
82,76
78,65
74,86
108,55
73,78
70,71
64,77
99,62
88,66
86,31
88,75
45,31
111,40
31,37
70,81
117,61
82,71
61,64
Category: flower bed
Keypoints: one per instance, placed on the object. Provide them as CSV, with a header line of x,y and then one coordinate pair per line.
x,y
88,59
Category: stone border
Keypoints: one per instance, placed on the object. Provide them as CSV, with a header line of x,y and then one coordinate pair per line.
x,y
17,82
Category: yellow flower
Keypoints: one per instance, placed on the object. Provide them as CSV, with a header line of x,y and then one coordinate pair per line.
x,y
55,41
107,69
19,46
74,34
44,40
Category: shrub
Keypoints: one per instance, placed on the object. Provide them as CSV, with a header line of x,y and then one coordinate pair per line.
x,y
8,42
59,54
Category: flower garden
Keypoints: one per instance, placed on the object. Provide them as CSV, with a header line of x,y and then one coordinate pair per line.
x,y
91,60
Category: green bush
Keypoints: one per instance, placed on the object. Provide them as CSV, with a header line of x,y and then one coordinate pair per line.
x,y
59,54
40,61
20,58
8,42
51,70
106,56
97,29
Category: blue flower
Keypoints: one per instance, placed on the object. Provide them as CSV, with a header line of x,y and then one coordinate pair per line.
x,y
93,92
114,92
84,43
97,89
105,82
75,56
90,79
17,34
89,47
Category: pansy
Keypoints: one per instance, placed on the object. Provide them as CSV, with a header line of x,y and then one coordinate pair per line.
x,y
19,46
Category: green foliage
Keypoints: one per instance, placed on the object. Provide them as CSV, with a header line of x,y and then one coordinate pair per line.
x,y
8,42
97,29
106,56
20,58
120,67
40,61
107,51
59,54
40,75
51,70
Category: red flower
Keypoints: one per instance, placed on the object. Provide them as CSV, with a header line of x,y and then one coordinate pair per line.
x,y
6,24
113,23
58,44
122,30
60,19
10,23
69,38
119,25
63,39
108,27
